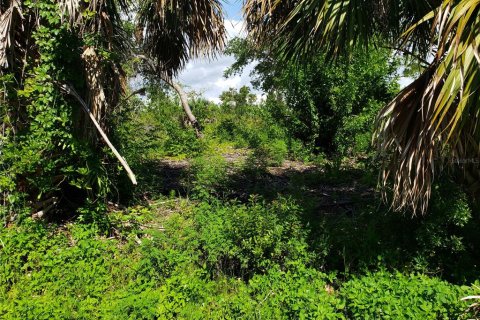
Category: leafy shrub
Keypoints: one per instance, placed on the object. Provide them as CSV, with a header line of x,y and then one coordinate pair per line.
x,y
383,295
354,136
208,174
241,240
50,275
271,154
450,212
156,129
298,294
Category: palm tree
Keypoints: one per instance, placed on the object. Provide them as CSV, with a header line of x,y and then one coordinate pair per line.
x,y
434,118
171,32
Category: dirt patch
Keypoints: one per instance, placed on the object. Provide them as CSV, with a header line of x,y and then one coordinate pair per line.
x,y
289,167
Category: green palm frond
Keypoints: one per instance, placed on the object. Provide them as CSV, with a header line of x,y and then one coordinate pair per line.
x,y
173,31
296,29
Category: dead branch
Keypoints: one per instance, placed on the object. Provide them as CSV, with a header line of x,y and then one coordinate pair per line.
x,y
69,90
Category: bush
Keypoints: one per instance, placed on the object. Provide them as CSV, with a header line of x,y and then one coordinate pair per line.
x,y
146,131
271,154
354,136
299,294
208,175
441,235
241,240
383,295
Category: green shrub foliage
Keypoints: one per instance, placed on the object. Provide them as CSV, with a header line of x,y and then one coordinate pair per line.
x,y
330,107
185,260
385,295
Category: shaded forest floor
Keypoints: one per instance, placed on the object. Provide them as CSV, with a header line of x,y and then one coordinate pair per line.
x,y
326,190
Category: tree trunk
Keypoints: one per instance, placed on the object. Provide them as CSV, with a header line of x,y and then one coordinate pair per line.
x,y
183,96
186,107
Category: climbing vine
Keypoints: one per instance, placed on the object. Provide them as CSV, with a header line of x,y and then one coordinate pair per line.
x,y
45,157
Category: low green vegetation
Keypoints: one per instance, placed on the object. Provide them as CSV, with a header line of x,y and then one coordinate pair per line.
x,y
187,259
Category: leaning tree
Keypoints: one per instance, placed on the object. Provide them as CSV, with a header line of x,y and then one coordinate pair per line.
x,y
169,33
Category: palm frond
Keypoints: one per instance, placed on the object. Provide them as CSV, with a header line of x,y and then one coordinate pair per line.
x,y
173,31
296,29
407,146
438,114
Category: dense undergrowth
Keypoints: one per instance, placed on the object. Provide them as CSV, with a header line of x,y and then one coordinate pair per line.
x,y
180,258
223,229
255,220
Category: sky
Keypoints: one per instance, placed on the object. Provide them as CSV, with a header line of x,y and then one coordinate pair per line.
x,y
206,76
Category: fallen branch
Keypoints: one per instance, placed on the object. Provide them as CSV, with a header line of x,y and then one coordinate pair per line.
x,y
40,214
69,90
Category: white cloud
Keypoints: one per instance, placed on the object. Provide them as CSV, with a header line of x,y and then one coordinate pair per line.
x,y
234,28
206,76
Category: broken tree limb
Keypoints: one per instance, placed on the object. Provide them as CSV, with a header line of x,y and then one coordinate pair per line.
x,y
69,90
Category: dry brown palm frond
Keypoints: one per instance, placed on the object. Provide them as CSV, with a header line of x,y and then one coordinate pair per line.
x,y
99,17
408,146
10,20
71,10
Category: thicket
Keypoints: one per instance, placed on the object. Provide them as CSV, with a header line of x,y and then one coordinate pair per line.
x,y
330,106
189,260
